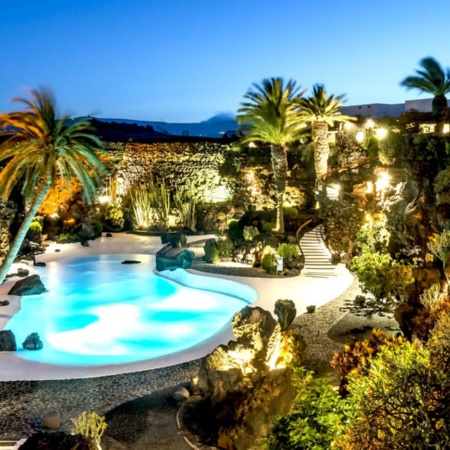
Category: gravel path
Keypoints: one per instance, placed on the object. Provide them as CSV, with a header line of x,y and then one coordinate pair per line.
x,y
23,403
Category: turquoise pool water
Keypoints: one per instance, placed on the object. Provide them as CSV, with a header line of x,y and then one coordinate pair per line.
x,y
98,311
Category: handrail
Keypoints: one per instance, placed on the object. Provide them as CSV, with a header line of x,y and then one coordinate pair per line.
x,y
297,233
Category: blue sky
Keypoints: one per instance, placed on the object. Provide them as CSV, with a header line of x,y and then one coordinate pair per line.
x,y
187,60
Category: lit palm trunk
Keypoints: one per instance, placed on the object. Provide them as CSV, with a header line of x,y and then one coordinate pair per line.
x,y
279,167
321,148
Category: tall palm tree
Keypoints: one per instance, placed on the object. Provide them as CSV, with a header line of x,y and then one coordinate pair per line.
x,y
269,116
321,111
38,145
433,80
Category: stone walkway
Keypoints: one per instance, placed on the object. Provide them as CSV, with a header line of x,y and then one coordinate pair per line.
x,y
24,403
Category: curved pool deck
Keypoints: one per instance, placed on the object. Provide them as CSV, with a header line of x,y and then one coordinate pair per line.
x,y
302,290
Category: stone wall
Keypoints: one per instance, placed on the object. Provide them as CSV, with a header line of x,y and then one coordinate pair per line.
x,y
7,214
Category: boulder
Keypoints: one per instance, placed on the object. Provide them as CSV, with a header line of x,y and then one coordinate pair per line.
x,y
51,420
4,302
32,342
182,261
285,311
131,261
7,341
31,285
84,243
181,394
86,231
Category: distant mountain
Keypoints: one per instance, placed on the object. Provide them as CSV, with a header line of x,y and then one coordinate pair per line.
x,y
215,127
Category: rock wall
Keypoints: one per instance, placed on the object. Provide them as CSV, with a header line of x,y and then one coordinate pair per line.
x,y
7,214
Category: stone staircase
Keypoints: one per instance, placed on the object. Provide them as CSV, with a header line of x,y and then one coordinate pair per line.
x,y
317,256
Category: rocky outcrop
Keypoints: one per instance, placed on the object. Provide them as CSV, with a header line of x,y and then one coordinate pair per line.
x,y
31,285
286,312
182,260
33,342
7,214
247,383
7,341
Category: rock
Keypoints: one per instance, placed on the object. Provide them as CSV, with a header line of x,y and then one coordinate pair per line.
x,y
293,273
310,309
22,272
181,394
84,243
109,235
131,261
7,341
4,302
359,300
57,250
51,420
285,311
40,264
183,260
58,440
31,285
86,231
33,342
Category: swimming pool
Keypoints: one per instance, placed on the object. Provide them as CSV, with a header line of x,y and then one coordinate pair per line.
x,y
98,311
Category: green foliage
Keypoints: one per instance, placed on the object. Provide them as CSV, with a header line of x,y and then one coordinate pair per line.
x,y
373,236
235,231
290,212
250,233
90,425
356,358
317,416
439,246
185,202
36,227
343,220
141,206
269,263
225,247
402,402
442,181
212,254
382,276
113,211
288,250
392,147
268,226
68,237
160,201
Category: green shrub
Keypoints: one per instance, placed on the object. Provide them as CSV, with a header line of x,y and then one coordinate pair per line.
x,y
250,233
235,231
382,276
373,236
68,237
269,263
113,212
317,416
212,254
36,227
403,401
268,226
225,247
288,250
290,212
90,425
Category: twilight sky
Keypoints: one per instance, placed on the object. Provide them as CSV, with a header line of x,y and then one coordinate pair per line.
x,y
187,60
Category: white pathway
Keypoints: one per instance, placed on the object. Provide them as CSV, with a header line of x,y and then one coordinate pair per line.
x,y
304,290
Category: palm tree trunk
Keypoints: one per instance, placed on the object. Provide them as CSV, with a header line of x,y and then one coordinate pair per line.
x,y
321,148
439,107
279,167
24,227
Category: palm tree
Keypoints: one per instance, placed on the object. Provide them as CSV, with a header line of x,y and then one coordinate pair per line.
x,y
433,80
269,116
38,145
322,111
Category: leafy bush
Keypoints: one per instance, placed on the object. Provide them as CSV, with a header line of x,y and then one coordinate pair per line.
x,y
68,237
114,212
316,419
442,181
36,227
212,254
250,233
383,277
269,263
373,236
225,247
403,401
235,231
288,250
356,358
268,226
290,212
186,202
